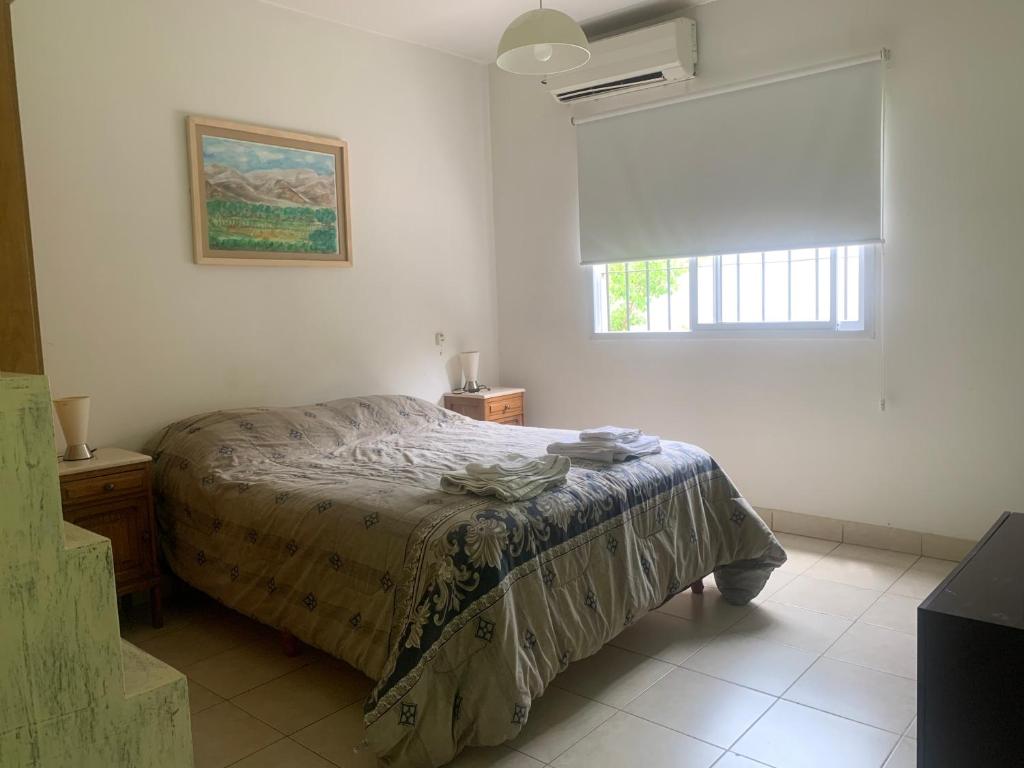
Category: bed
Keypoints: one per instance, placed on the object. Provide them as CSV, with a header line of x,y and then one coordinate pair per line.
x,y
327,522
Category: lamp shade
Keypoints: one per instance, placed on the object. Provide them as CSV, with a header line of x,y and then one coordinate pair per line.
x,y
73,414
470,362
542,42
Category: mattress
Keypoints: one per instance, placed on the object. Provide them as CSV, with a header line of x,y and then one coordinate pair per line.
x,y
328,521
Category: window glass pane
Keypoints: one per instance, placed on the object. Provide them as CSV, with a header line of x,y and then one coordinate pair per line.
x,y
679,283
637,272
601,298
659,295
617,297
706,289
824,284
853,259
750,288
776,286
803,285
730,289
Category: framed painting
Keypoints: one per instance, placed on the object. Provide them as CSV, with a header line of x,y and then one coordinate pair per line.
x,y
266,197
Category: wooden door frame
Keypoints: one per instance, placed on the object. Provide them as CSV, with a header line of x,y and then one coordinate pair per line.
x,y
20,345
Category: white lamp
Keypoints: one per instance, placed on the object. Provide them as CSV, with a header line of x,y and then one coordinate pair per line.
x,y
542,42
470,362
73,414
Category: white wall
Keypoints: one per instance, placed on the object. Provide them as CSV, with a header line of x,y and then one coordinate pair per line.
x,y
128,318
796,422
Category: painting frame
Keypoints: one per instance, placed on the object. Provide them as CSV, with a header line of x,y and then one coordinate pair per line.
x,y
198,127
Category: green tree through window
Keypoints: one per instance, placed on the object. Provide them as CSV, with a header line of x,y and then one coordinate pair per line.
x,y
646,281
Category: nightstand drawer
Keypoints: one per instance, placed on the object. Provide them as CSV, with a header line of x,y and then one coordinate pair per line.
x,y
514,421
504,407
91,489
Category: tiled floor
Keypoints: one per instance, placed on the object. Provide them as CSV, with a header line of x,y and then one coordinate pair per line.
x,y
819,670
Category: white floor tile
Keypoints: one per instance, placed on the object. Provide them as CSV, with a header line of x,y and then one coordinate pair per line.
x,y
612,676
284,754
200,698
246,667
776,581
768,667
800,628
878,648
491,757
912,730
304,696
708,611
335,736
626,740
557,720
732,760
894,612
802,552
923,577
866,695
826,596
904,756
862,567
793,736
224,734
700,706
664,637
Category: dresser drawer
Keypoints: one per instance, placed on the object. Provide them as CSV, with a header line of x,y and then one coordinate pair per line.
x,y
503,407
515,421
92,489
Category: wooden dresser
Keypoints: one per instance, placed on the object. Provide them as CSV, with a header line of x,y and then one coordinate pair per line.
x,y
504,405
110,494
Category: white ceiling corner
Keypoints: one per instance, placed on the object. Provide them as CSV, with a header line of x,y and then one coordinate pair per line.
x,y
471,28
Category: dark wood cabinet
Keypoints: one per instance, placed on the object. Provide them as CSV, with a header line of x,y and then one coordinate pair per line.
x,y
971,657
110,495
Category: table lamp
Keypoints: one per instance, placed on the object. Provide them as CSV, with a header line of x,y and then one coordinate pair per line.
x,y
470,370
73,414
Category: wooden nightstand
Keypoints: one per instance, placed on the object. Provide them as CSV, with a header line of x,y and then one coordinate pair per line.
x,y
503,405
110,494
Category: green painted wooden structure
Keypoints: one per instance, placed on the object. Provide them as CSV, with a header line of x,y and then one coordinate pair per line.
x,y
73,694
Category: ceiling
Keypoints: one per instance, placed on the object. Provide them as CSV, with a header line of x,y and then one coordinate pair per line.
x,y
471,28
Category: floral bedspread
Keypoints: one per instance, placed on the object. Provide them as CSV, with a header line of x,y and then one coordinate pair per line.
x,y
328,521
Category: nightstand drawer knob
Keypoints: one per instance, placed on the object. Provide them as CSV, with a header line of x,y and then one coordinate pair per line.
x,y
108,487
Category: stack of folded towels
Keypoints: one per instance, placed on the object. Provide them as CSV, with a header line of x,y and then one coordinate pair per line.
x,y
521,477
608,444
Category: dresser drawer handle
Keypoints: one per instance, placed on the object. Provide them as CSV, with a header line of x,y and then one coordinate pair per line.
x,y
108,487
507,406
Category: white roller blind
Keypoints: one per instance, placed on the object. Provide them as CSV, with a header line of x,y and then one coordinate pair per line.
x,y
792,164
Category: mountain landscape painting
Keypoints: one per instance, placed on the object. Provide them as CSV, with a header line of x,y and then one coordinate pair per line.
x,y
270,198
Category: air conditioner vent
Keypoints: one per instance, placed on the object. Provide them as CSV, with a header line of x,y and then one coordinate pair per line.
x,y
643,58
612,86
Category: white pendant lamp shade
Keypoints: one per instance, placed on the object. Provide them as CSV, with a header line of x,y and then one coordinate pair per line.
x,y
542,42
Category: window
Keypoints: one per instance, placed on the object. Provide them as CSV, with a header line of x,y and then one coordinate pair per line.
x,y
821,289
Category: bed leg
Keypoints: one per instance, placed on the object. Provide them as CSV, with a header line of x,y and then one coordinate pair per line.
x,y
290,644
697,587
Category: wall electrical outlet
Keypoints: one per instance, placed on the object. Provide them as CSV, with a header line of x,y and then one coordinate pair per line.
x,y
439,340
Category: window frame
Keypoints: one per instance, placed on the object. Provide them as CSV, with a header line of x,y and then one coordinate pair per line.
x,y
816,329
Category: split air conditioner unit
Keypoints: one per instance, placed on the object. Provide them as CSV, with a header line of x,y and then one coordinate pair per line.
x,y
644,58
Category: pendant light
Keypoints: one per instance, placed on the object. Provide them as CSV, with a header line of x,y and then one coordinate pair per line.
x,y
542,42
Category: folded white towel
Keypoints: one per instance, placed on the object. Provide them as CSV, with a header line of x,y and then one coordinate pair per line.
x,y
594,450
623,434
521,477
